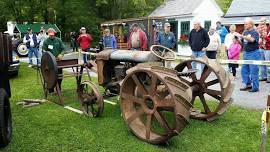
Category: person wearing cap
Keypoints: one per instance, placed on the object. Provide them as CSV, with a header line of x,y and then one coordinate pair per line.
x,y
54,45
249,72
198,41
263,31
215,42
31,41
137,38
109,40
85,41
166,38
222,31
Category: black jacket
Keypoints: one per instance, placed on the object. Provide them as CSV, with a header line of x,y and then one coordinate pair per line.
x,y
198,40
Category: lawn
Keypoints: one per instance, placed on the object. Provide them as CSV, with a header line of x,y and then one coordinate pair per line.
x,y
50,127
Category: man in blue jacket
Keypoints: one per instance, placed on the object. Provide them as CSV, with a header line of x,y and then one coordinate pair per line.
x,y
167,37
222,31
109,40
31,41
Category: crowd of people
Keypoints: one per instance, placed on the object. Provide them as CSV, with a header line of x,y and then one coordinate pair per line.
x,y
221,44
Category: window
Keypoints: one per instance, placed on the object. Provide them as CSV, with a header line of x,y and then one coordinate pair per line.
x,y
207,25
185,27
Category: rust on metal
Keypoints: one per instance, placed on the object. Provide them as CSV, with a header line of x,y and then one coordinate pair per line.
x,y
146,102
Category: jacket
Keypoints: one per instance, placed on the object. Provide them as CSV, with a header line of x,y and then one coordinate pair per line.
x,y
109,42
167,40
267,39
27,40
234,51
198,39
55,46
222,32
215,42
85,41
143,40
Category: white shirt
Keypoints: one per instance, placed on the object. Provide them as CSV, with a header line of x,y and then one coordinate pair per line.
x,y
229,39
215,42
42,38
32,44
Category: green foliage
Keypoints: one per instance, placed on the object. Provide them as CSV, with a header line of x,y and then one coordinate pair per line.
x,y
224,4
70,15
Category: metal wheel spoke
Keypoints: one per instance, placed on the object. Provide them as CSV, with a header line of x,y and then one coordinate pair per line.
x,y
192,100
214,93
193,76
139,84
148,125
153,85
135,115
205,74
205,106
132,98
212,82
162,121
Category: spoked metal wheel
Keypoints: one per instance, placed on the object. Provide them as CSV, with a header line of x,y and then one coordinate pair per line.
x,y
91,101
155,104
211,84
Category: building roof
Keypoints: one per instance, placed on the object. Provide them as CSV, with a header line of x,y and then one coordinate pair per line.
x,y
121,21
240,20
176,8
22,28
248,8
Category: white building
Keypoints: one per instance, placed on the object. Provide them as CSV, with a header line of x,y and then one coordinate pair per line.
x,y
182,13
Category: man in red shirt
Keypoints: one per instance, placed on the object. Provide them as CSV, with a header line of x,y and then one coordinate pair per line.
x,y
137,39
85,42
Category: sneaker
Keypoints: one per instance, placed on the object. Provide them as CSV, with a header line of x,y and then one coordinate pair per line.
x,y
245,88
30,66
262,79
253,90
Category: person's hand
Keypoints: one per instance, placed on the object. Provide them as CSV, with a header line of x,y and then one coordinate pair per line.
x,y
60,57
204,49
238,35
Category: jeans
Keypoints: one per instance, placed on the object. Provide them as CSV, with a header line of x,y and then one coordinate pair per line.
x,y
250,72
30,55
197,54
265,70
85,56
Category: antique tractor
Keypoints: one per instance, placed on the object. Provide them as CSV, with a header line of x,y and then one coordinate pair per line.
x,y
5,93
156,102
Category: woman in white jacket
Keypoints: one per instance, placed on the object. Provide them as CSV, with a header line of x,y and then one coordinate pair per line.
x,y
215,43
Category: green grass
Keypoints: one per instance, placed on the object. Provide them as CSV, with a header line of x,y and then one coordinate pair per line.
x,y
50,127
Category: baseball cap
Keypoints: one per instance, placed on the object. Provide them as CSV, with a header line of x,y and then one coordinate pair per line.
x,y
29,29
51,32
167,25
